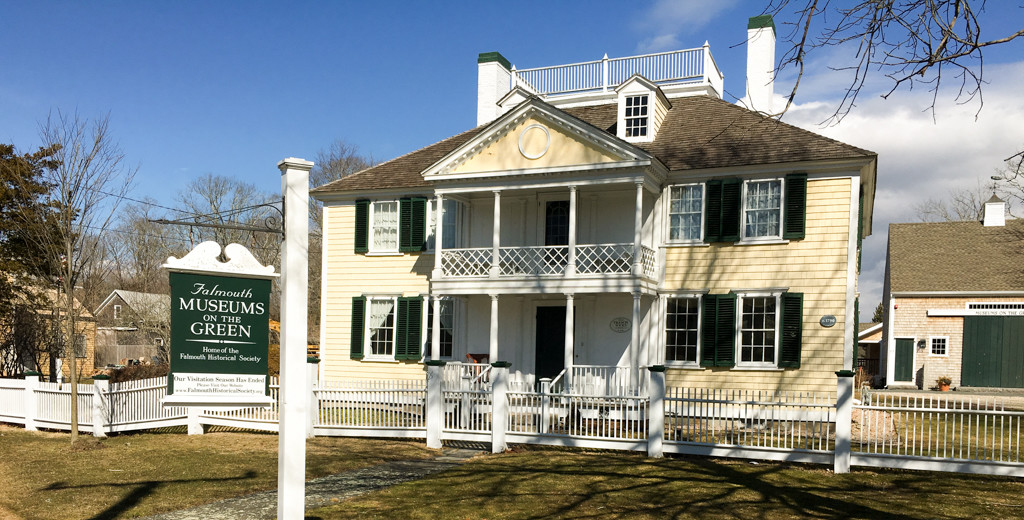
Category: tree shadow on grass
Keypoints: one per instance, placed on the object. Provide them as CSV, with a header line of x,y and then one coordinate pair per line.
x,y
139,491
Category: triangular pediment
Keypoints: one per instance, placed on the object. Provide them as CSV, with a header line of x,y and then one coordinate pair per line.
x,y
536,137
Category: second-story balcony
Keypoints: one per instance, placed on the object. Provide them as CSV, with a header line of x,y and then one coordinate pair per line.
x,y
581,260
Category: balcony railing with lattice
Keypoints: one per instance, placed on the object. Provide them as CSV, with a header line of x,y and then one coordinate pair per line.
x,y
466,262
604,259
534,261
647,261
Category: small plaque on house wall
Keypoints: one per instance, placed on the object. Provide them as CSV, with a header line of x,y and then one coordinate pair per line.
x,y
620,324
827,320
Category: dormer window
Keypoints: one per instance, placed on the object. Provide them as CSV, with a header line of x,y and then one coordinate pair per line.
x,y
636,116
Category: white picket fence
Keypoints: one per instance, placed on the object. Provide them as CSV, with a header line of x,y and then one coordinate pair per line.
x,y
947,434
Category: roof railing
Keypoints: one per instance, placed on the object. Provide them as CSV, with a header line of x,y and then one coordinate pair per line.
x,y
694,66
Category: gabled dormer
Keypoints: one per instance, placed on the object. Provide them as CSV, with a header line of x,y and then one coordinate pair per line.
x,y
642,108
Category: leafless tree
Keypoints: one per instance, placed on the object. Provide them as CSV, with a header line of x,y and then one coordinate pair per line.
x,y
910,42
89,178
332,163
962,204
139,247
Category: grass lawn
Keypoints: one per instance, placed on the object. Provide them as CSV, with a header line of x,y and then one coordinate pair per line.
x,y
552,483
42,476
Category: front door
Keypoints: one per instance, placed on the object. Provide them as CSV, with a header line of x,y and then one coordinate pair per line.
x,y
550,354
904,369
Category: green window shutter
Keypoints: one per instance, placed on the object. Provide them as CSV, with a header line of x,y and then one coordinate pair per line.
x,y
707,329
856,330
358,327
796,206
408,328
412,223
718,337
713,218
362,226
725,333
732,190
792,329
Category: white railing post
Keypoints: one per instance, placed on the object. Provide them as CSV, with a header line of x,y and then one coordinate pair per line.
x,y
604,73
31,408
434,409
466,402
545,404
100,405
844,416
194,426
312,367
499,405
656,413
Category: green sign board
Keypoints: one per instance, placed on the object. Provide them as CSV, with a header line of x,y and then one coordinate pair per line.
x,y
219,335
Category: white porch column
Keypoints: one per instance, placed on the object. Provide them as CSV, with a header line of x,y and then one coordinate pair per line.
x,y
570,337
291,460
493,351
435,332
654,344
438,235
638,227
496,237
634,343
570,268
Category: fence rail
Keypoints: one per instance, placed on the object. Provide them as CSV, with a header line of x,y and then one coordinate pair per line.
x,y
474,402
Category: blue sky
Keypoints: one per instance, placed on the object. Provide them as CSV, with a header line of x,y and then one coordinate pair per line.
x,y
230,88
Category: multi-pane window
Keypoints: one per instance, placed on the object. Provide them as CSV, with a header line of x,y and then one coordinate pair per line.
x,y
762,209
117,312
449,224
686,208
757,330
447,343
939,346
636,116
384,226
682,316
380,327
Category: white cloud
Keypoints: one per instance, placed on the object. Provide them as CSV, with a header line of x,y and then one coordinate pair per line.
x,y
667,19
920,158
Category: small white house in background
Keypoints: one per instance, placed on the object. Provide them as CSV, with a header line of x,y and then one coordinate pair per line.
x,y
122,331
604,217
954,295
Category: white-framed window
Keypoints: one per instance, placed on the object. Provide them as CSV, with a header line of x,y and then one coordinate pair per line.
x,y
682,330
449,314
939,346
451,222
762,209
158,342
636,116
380,327
758,331
686,213
384,226
117,312
80,346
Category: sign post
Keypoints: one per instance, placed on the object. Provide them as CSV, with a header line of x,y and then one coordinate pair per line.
x,y
219,328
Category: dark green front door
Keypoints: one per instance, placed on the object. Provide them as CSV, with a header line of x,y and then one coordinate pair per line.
x,y
904,369
550,341
993,351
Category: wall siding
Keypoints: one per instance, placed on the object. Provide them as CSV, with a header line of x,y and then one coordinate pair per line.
x,y
815,266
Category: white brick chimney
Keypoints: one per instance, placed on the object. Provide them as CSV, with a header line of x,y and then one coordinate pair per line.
x,y
493,79
760,63
994,213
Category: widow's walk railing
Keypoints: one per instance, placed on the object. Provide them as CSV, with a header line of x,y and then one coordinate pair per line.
x,y
682,66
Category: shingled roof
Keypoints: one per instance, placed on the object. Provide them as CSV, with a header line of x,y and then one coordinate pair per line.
x,y
956,256
698,132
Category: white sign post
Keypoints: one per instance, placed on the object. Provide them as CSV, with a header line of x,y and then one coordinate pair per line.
x,y
294,413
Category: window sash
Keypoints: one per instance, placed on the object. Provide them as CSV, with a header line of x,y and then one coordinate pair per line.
x,y
380,328
682,330
758,331
762,209
451,217
447,329
384,226
636,116
686,213
939,346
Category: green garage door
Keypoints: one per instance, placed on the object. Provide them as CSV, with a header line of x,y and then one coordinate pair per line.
x,y
993,351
